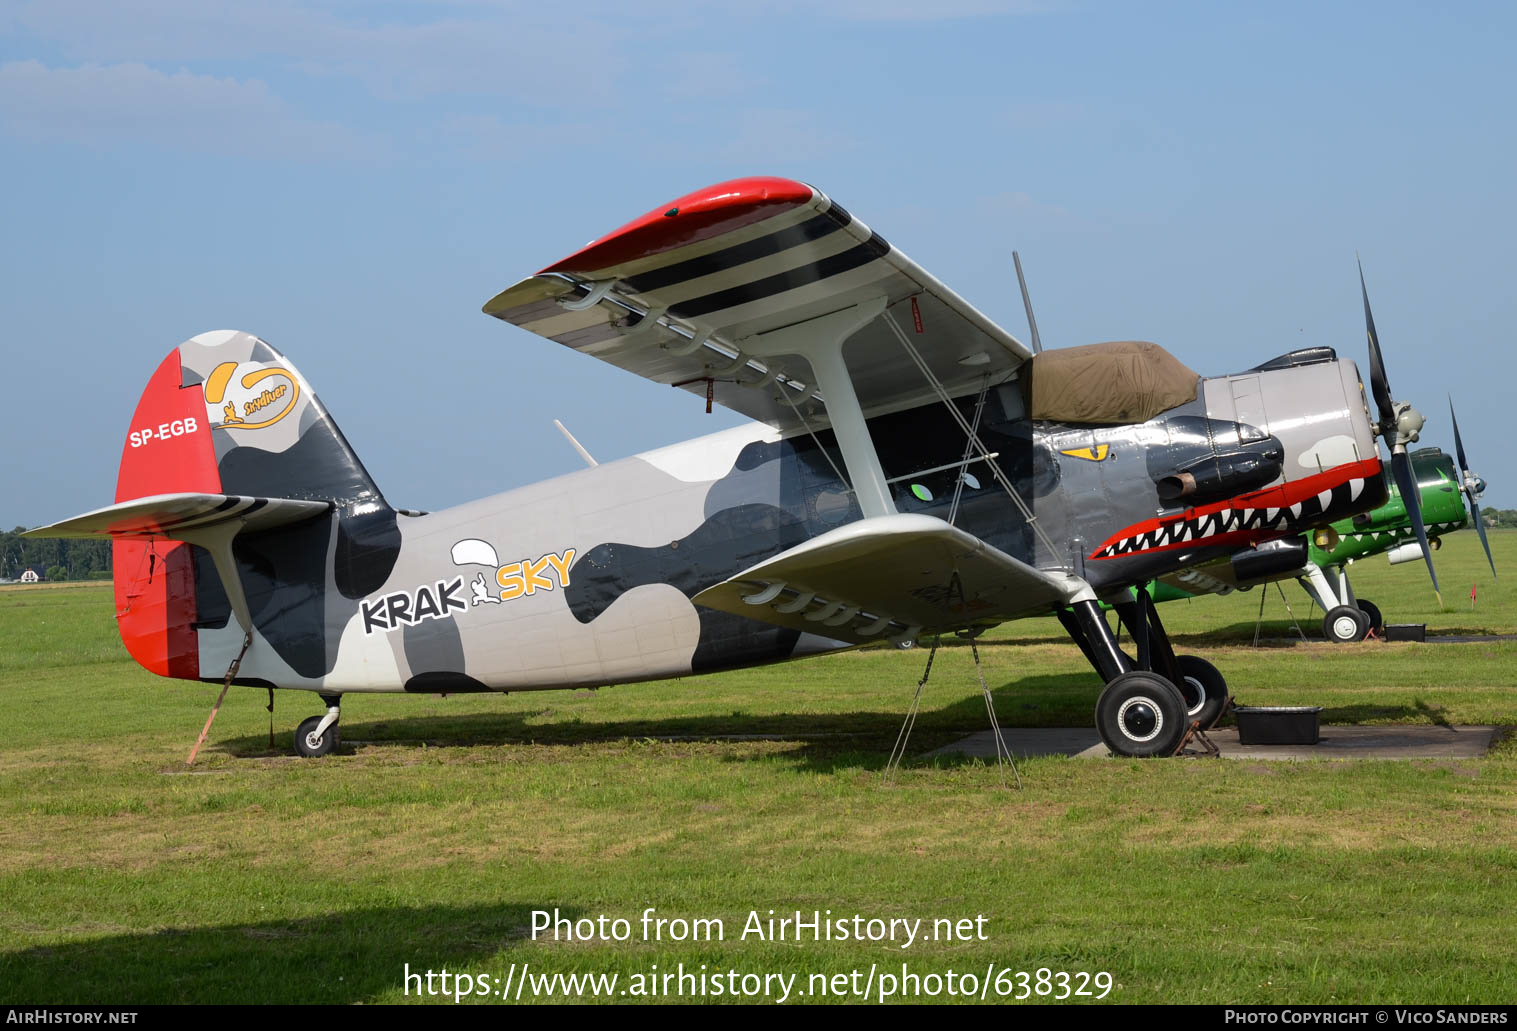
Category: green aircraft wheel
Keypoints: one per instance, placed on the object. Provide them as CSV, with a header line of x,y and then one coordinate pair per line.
x,y
1345,624
311,746
1204,690
1370,609
1140,715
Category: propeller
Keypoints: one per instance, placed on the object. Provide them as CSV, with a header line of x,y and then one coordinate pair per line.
x,y
1399,425
1473,486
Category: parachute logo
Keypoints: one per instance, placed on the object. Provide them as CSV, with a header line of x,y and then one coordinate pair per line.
x,y
259,397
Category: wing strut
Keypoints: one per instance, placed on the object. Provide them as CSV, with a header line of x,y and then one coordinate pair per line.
x,y
820,341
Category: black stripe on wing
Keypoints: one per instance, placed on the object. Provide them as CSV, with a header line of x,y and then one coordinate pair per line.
x,y
837,264
825,224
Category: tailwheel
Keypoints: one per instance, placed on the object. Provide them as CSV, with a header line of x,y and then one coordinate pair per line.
x,y
1345,624
1141,714
1370,609
1204,690
317,736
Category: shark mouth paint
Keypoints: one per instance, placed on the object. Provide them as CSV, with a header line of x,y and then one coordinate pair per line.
x,y
1248,518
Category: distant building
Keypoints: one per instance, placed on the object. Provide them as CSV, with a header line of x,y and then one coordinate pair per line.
x,y
32,575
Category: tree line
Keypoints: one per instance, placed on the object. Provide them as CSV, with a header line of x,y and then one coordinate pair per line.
x,y
58,560
1499,516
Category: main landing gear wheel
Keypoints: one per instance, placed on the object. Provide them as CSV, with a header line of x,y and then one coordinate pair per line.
x,y
317,736
1370,609
1345,624
1140,714
310,743
1204,690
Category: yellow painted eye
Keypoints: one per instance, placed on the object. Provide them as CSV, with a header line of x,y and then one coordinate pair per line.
x,y
1089,454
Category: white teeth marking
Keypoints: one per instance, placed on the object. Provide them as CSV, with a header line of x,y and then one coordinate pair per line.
x,y
1270,513
1325,499
1354,487
1296,511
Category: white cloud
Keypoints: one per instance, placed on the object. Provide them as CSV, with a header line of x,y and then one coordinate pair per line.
x,y
530,53
577,53
112,104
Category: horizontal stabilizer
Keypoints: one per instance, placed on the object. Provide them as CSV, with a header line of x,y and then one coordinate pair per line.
x,y
890,576
180,516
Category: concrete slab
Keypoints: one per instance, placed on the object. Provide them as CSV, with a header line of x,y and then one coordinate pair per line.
x,y
1423,741
1432,638
1026,742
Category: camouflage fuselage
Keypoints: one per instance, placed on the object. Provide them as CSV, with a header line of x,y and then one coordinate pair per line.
x,y
586,579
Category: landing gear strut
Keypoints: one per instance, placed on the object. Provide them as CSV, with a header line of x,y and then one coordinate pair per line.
x,y
1150,702
317,736
1346,618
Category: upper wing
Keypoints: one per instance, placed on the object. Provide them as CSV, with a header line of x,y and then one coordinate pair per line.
x,y
889,576
673,296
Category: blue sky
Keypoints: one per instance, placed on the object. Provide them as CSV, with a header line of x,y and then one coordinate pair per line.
x,y
351,181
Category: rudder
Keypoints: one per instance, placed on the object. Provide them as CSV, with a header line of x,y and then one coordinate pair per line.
x,y
225,413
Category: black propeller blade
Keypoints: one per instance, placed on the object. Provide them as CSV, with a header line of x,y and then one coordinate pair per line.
x,y
1399,424
1471,485
1380,387
1406,483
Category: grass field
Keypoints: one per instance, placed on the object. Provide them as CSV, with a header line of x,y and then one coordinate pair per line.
x,y
444,823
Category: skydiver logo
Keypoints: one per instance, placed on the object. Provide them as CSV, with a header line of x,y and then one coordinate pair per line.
x,y
408,608
515,579
249,396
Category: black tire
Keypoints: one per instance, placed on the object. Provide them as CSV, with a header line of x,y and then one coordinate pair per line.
x,y
1370,609
1204,690
1140,714
315,747
1345,624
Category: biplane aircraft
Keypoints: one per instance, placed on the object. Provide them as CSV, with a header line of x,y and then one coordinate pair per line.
x,y
1443,488
912,469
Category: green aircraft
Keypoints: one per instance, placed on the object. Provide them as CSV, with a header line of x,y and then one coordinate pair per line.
x,y
1387,530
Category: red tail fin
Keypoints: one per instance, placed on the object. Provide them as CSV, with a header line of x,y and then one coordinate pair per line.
x,y
168,449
